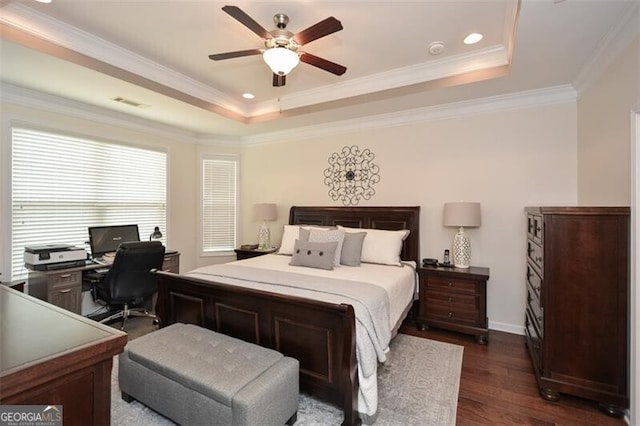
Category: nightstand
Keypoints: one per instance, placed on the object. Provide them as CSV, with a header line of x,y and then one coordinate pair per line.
x,y
246,254
454,299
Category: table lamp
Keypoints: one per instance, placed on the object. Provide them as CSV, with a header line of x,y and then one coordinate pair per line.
x,y
461,214
264,212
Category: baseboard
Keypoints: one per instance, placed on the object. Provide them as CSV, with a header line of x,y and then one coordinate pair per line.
x,y
507,328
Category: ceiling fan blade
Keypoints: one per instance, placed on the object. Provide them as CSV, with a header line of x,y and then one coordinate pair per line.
x,y
247,21
321,63
279,80
236,54
321,29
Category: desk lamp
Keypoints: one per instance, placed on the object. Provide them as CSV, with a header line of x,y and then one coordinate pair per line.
x,y
460,215
264,212
156,234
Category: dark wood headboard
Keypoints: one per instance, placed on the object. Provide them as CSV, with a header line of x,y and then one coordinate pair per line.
x,y
389,218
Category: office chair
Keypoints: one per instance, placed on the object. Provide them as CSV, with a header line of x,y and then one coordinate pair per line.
x,y
129,281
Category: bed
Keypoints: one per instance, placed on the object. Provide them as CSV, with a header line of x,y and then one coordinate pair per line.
x,y
321,334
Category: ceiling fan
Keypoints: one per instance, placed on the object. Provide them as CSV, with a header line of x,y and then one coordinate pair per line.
x,y
281,51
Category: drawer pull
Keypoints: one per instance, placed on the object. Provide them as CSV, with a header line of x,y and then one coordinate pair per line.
x,y
450,284
65,291
65,275
450,299
450,314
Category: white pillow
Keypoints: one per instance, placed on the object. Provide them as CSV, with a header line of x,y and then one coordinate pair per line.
x,y
328,236
290,233
381,246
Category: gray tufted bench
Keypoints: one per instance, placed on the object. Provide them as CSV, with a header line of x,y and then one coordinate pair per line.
x,y
195,376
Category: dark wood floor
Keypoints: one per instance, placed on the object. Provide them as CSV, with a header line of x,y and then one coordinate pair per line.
x,y
498,387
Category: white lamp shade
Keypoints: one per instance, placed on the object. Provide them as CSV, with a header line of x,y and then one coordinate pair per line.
x,y
281,60
461,214
265,211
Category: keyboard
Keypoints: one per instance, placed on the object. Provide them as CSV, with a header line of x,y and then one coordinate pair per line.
x,y
107,259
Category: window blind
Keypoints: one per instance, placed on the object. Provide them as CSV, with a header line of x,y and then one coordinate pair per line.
x,y
61,185
219,203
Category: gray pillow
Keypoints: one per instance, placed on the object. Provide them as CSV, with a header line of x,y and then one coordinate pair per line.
x,y
313,255
352,248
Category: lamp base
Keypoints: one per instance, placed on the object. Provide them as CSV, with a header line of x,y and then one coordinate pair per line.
x,y
461,250
264,237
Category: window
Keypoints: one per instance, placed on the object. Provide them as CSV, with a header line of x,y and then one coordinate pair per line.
x,y
61,185
219,204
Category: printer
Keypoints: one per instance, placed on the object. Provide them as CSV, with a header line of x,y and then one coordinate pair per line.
x,y
53,256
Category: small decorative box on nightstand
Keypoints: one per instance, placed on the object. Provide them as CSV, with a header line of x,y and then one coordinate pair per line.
x,y
246,254
454,299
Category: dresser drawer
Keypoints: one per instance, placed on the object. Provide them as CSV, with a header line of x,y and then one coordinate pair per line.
x,y
445,285
534,281
534,342
534,254
535,310
535,228
65,279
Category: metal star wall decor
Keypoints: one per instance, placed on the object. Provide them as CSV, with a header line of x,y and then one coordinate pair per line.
x,y
351,175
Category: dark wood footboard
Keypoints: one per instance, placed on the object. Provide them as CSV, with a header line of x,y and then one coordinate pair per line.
x,y
321,336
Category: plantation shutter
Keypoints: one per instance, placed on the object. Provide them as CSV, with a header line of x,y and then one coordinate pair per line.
x,y
219,203
61,185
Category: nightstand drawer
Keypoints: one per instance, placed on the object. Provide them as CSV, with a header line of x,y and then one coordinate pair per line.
x,y
453,314
452,301
451,285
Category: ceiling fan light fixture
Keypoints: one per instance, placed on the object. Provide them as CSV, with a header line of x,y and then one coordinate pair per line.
x,y
281,60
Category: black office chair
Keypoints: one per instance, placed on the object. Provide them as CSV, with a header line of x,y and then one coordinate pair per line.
x,y
129,281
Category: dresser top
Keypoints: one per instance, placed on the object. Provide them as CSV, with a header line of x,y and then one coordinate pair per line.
x,y
578,210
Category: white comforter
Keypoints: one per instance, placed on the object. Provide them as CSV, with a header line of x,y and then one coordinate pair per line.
x,y
379,295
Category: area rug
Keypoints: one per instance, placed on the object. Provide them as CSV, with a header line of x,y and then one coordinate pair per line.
x,y
418,385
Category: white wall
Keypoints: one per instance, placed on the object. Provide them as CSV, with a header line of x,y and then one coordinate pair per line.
x,y
604,132
505,160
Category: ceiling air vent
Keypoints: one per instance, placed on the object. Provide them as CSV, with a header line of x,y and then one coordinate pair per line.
x,y
130,102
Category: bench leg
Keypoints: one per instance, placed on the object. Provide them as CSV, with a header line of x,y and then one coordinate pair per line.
x,y
292,419
127,398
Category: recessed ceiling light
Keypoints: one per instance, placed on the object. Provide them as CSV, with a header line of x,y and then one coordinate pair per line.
x,y
248,95
44,1
473,38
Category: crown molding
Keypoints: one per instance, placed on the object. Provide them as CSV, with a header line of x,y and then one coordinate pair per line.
x,y
490,57
20,96
44,27
514,101
609,49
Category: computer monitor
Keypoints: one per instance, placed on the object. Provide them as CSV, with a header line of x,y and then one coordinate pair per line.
x,y
106,239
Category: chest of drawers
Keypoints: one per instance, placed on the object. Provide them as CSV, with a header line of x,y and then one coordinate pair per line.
x,y
454,299
576,318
